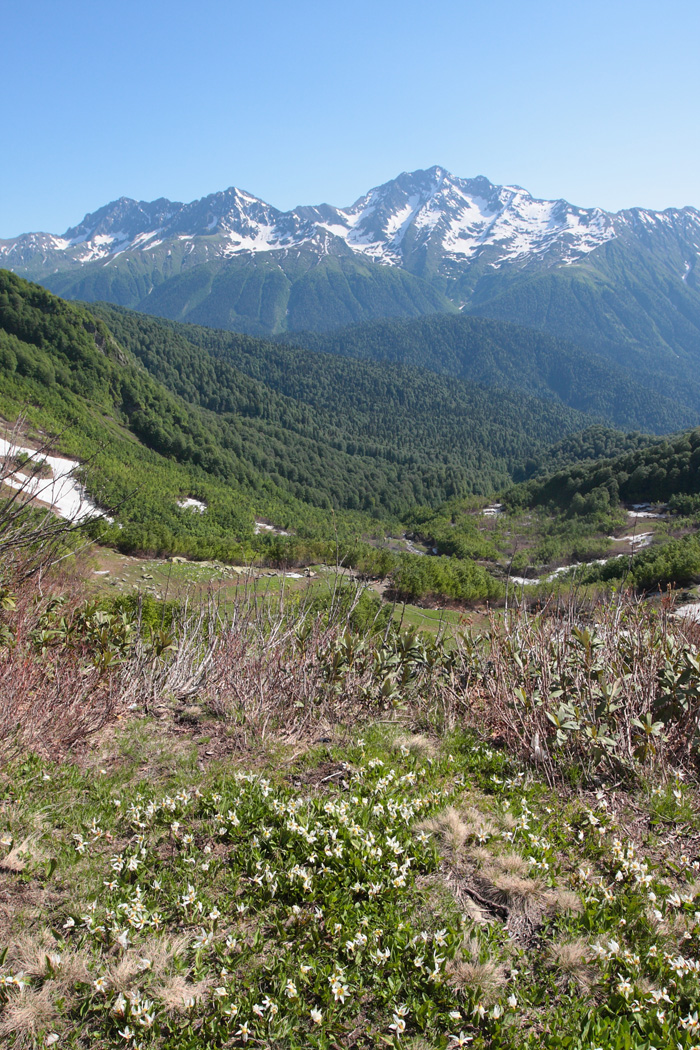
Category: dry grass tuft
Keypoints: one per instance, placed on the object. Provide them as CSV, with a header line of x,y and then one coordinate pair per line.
x,y
572,960
419,745
517,892
567,901
487,977
122,972
21,855
29,954
156,955
37,955
512,864
481,855
449,828
465,971
505,880
162,952
454,828
177,994
28,1012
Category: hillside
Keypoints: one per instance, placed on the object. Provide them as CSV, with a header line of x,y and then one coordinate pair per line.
x,y
413,419
258,295
287,437
657,473
633,300
512,357
595,443
144,448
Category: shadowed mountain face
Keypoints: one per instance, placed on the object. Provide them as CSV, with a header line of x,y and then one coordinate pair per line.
x,y
426,242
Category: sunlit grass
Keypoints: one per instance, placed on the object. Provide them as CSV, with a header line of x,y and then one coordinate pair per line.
x,y
392,889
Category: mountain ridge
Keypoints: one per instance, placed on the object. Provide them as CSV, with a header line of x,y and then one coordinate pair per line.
x,y
426,242
483,215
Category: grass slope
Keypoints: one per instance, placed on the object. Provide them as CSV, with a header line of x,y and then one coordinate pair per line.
x,y
623,302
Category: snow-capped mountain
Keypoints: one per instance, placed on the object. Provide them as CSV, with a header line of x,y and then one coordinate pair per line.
x,y
230,222
460,218
424,242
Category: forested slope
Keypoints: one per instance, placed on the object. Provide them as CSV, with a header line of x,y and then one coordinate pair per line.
x,y
512,357
438,437
251,429
665,470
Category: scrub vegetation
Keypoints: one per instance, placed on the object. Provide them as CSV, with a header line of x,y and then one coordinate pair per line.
x,y
294,823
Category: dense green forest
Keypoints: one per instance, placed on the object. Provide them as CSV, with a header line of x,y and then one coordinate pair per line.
x,y
337,452
511,357
432,437
594,443
143,446
666,471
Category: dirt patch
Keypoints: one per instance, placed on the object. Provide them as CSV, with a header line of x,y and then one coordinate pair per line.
x,y
326,775
20,897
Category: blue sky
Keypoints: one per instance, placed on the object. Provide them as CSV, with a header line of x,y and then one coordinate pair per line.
x,y
304,102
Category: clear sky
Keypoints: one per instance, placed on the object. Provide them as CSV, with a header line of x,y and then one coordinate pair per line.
x,y
302,101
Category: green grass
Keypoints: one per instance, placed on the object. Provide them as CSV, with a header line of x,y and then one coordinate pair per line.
x,y
433,620
381,888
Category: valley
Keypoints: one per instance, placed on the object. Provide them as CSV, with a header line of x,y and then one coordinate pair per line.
x,y
218,447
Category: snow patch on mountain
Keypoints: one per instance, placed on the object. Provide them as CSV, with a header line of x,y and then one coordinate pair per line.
x,y
462,222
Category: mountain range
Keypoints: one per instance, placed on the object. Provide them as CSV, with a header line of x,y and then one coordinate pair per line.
x,y
624,284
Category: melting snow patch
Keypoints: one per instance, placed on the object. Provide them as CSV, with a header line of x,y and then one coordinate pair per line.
x,y
642,539
262,526
520,581
192,504
61,491
562,570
